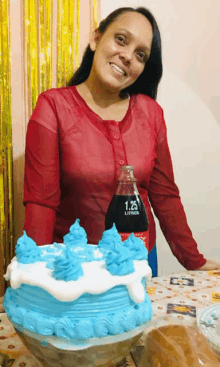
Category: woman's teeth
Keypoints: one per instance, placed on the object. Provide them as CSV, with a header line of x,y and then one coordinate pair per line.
x,y
118,69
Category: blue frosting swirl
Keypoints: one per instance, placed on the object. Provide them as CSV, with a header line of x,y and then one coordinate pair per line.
x,y
64,329
46,326
48,254
30,323
84,329
50,264
146,314
77,235
68,266
85,253
68,327
117,325
57,245
109,237
137,248
18,316
119,260
102,325
26,250
52,250
131,320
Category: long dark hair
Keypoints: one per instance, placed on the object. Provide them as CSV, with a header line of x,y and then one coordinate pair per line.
x,y
148,81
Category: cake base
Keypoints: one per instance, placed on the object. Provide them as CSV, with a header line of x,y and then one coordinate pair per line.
x,y
107,355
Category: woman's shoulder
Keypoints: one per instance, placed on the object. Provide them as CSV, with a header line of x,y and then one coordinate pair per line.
x,y
51,106
151,113
56,93
147,103
58,99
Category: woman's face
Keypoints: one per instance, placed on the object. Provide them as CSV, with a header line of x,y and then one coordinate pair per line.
x,y
121,52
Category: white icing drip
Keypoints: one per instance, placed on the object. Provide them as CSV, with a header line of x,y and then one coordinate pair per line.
x,y
136,291
97,254
96,279
47,252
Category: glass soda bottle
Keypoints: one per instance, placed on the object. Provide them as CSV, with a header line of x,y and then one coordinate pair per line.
x,y
127,209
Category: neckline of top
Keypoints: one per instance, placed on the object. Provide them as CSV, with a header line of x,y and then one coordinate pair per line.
x,y
85,105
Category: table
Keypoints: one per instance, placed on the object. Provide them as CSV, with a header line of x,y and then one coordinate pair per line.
x,y
180,294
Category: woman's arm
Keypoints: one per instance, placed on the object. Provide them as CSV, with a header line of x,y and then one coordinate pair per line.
x,y
166,203
210,265
41,183
39,223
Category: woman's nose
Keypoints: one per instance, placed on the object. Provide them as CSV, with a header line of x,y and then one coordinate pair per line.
x,y
126,56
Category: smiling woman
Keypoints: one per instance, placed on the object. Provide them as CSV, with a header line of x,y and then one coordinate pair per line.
x,y
120,55
79,136
150,46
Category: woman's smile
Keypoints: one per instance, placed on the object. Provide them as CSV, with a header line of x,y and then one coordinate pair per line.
x,y
117,69
125,48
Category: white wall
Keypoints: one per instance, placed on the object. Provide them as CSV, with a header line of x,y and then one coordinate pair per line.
x,y
190,96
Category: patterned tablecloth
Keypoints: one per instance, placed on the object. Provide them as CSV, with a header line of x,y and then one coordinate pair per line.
x,y
181,294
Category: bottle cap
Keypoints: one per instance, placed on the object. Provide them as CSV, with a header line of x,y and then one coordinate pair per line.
x,y
127,174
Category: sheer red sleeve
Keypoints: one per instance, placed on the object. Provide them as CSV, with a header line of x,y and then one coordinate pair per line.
x,y
41,182
166,203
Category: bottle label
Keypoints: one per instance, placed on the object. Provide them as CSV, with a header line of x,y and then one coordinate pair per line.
x,y
131,207
144,236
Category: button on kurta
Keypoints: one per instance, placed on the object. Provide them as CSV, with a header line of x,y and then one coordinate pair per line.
x,y
116,137
121,162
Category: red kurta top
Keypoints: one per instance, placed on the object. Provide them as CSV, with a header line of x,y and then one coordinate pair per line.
x,y
72,165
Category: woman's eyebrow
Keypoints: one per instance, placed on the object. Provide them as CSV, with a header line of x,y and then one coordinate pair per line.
x,y
145,47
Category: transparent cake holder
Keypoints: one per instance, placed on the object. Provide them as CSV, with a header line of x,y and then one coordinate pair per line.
x,y
73,344
95,352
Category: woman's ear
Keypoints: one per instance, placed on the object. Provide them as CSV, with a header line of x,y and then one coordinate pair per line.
x,y
95,39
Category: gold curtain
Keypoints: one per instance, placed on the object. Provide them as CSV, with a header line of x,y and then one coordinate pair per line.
x,y
41,68
38,49
67,40
50,53
6,179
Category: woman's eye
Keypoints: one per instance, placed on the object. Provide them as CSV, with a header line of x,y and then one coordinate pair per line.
x,y
142,56
120,38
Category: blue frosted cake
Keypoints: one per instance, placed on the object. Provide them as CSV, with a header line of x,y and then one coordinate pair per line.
x,y
75,291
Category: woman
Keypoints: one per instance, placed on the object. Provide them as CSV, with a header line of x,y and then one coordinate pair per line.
x,y
78,138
